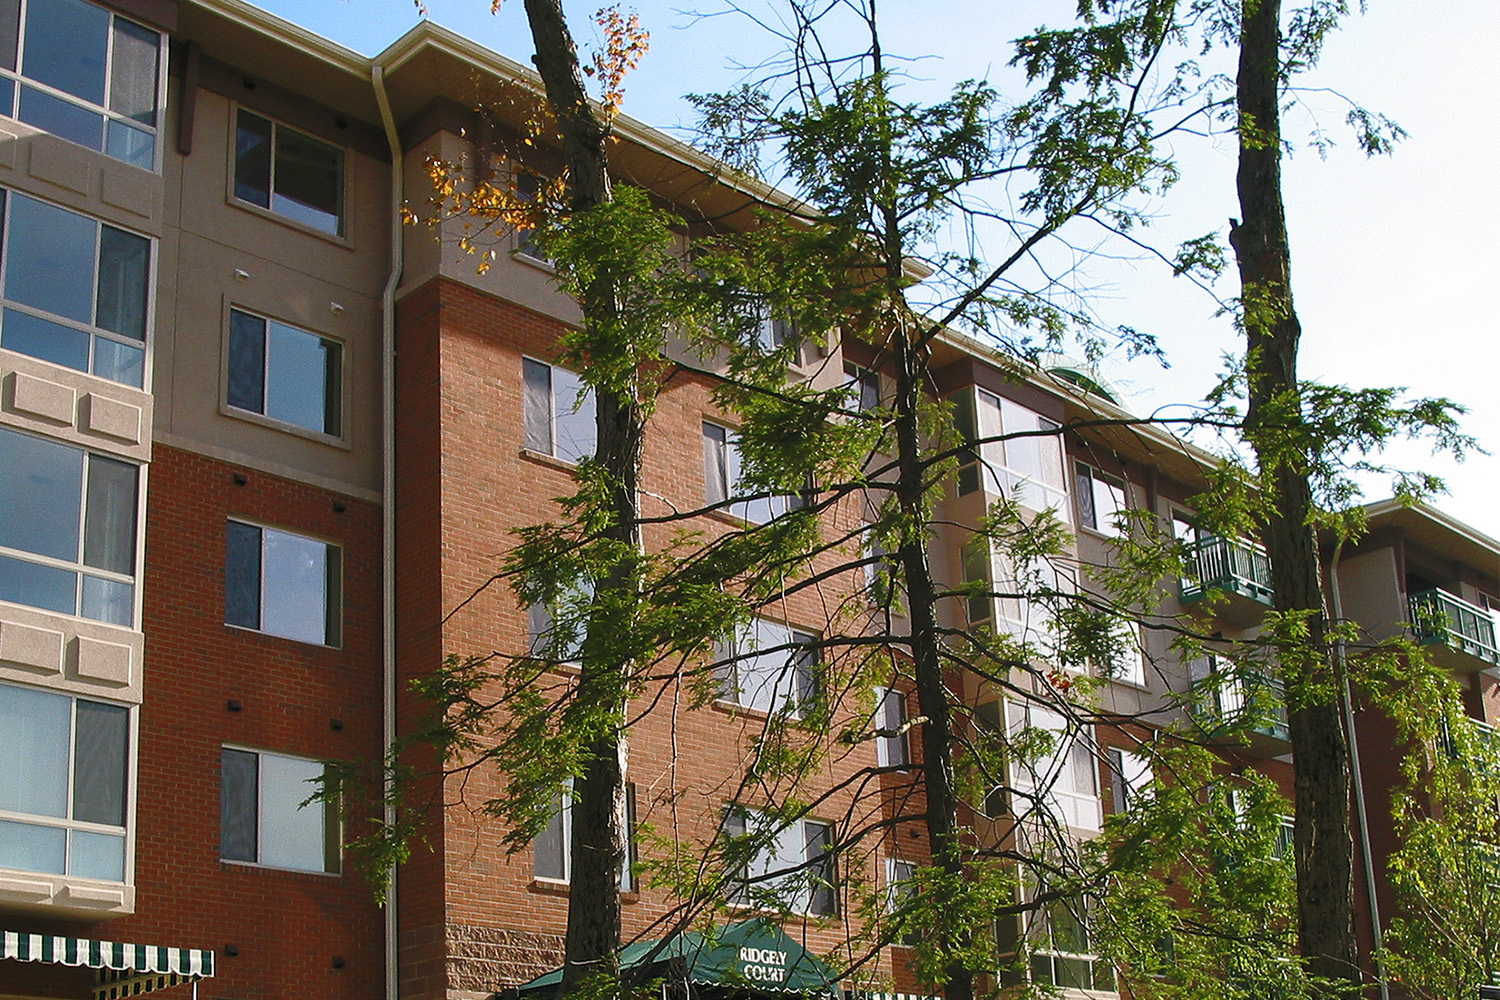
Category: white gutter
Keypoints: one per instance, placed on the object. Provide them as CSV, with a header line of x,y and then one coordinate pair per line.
x,y
388,503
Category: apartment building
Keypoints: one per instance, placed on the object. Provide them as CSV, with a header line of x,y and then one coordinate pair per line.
x,y
223,555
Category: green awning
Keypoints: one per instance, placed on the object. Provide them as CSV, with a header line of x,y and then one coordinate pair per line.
x,y
122,969
755,955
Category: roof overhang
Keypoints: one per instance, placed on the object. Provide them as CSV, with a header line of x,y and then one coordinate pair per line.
x,y
1438,533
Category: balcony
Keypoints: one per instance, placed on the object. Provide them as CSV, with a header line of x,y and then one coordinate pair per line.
x,y
1244,707
1458,635
1239,570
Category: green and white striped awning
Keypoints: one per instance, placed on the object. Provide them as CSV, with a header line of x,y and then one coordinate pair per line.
x,y
123,970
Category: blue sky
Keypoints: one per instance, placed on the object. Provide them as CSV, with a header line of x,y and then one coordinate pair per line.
x,y
1395,259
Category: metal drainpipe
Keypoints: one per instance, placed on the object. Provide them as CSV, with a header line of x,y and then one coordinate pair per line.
x,y
388,499
1359,783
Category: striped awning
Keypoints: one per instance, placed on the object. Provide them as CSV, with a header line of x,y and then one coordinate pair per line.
x,y
124,970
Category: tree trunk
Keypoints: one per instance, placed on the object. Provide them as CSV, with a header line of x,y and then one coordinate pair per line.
x,y
1323,845
598,838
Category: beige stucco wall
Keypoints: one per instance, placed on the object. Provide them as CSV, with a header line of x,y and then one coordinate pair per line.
x,y
217,252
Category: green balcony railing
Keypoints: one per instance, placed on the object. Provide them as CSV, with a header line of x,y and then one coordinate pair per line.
x,y
1440,618
1252,703
1229,565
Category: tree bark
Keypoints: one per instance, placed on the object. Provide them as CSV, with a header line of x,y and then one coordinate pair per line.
x,y
598,843
1322,841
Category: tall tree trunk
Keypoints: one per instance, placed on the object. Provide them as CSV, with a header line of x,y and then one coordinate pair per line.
x,y
598,837
1323,845
933,700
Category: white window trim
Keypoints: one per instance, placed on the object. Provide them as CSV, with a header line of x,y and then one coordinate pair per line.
x,y
1079,810
157,131
132,760
769,880
551,453
1020,617
884,745
565,810
893,885
78,567
731,662
733,504
996,475
331,814
94,332
1131,772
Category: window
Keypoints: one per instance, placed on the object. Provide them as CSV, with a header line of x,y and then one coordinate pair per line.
x,y
1022,595
1102,501
890,715
85,75
63,793
75,291
264,815
282,584
768,330
863,385
552,849
1062,779
792,867
285,373
559,412
768,667
721,475
557,631
1063,950
900,890
67,534
1129,664
289,173
1028,467
528,189
1129,778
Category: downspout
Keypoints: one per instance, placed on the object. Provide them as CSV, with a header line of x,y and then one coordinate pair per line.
x,y
1341,661
388,504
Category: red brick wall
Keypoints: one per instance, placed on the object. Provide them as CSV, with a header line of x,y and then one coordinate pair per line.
x,y
287,925
461,459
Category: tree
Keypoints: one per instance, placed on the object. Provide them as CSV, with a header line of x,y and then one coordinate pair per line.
x,y
1445,873
880,171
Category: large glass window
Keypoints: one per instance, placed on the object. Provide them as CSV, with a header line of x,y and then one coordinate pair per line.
x,y
792,865
1063,949
769,667
67,532
721,478
285,373
83,74
559,412
76,290
63,784
282,584
1016,452
289,173
1063,779
264,815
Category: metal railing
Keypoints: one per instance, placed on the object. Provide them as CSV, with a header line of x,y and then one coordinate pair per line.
x,y
1250,702
1230,565
1438,617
